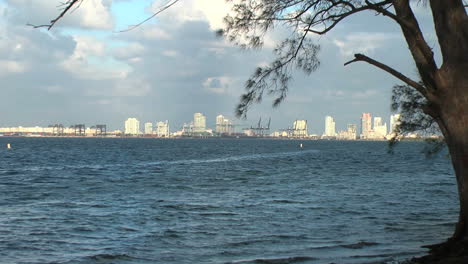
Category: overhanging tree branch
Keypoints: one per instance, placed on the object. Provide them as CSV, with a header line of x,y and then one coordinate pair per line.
x,y
69,4
397,74
160,10
67,7
420,50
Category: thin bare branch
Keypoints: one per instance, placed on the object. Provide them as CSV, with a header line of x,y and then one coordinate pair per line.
x,y
67,7
397,74
161,9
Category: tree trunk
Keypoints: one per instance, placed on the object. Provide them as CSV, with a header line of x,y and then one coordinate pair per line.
x,y
452,117
451,96
459,153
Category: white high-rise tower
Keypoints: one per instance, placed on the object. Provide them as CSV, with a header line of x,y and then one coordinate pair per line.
x,y
380,129
162,129
394,121
132,126
199,123
330,127
148,128
366,125
223,125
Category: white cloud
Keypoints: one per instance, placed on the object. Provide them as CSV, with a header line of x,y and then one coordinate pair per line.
x,y
363,42
12,66
156,33
211,11
129,50
131,87
218,85
128,86
95,14
170,53
80,66
86,46
90,14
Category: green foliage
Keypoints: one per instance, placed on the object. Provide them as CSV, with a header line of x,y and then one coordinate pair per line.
x,y
275,77
410,104
250,20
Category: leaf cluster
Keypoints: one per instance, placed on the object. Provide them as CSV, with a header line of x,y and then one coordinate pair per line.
x,y
274,78
407,101
250,20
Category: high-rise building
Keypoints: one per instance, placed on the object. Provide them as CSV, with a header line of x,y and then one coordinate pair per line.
x,y
330,127
352,131
349,134
366,125
380,129
394,121
300,128
377,121
148,128
223,125
199,123
162,129
132,126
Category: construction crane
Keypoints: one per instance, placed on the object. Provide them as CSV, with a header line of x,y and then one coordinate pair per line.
x,y
260,130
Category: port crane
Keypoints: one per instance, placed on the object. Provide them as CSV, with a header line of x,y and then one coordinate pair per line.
x,y
261,131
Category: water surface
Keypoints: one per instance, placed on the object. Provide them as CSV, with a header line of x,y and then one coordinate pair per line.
x,y
76,200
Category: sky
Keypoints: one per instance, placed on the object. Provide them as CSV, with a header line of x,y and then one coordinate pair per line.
x,y
85,71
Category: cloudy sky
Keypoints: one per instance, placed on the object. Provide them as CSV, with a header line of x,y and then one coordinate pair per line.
x,y
82,71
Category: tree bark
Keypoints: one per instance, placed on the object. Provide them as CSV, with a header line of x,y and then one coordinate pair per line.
x,y
447,86
449,108
451,80
454,118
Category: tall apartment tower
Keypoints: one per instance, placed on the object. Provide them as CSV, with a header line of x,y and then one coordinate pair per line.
x,y
300,128
394,120
132,126
377,121
148,128
330,127
366,125
162,129
223,125
380,129
352,131
199,123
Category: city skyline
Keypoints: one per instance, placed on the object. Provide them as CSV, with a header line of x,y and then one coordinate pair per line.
x,y
341,124
299,128
175,66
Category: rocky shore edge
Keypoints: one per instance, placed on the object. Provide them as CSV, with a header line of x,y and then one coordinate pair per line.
x,y
445,253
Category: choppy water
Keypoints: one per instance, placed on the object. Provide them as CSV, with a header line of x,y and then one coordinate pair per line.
x,y
220,201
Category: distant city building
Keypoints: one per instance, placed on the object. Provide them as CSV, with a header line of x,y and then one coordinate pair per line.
x,y
162,129
187,129
223,125
394,121
330,127
352,131
377,121
366,125
148,128
349,134
132,126
199,123
276,134
380,129
52,130
300,128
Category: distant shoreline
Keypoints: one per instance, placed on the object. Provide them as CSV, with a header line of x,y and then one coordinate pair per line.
x,y
211,137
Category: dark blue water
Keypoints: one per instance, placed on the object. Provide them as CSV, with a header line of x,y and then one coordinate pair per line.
x,y
220,201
